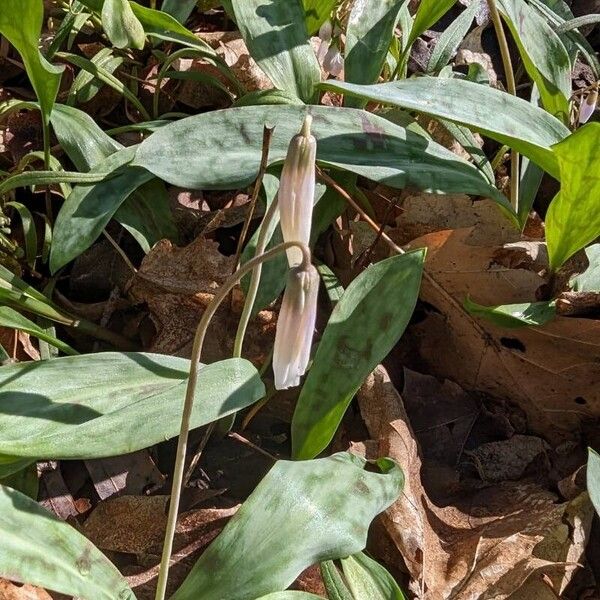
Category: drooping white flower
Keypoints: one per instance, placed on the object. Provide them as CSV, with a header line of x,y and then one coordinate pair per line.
x,y
295,327
333,62
588,106
297,191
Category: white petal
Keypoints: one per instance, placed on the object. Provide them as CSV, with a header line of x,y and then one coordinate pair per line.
x,y
296,194
295,327
587,108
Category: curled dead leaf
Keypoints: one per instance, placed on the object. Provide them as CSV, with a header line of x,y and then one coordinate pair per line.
x,y
485,542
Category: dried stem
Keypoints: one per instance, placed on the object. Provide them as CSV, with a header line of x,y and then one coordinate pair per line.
x,y
348,198
178,473
511,86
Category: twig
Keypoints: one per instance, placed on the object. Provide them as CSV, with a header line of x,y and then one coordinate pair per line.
x,y
190,393
348,198
243,440
264,163
512,90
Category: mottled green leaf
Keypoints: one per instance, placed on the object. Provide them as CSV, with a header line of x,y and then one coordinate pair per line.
x,y
573,219
291,596
368,579
89,208
300,514
21,24
122,27
428,14
543,54
222,149
500,116
90,406
451,38
40,549
276,36
593,478
179,9
514,316
363,328
368,35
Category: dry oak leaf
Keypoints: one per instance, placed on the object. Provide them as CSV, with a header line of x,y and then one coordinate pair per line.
x,y
482,544
550,372
11,591
177,284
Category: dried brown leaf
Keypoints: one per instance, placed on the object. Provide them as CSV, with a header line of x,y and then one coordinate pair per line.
x,y
11,591
482,543
550,372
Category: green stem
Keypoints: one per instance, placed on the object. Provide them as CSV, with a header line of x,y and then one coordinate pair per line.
x,y
511,86
261,244
178,473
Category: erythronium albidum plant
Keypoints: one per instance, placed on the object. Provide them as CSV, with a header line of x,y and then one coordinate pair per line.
x,y
296,321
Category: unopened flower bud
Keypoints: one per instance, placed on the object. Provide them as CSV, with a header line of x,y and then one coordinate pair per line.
x,y
297,191
325,31
333,62
295,327
588,106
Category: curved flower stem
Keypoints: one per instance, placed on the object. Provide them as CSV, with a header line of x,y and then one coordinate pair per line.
x,y
511,86
178,473
261,244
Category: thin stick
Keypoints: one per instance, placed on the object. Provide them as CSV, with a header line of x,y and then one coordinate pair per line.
x,y
348,198
247,442
190,393
264,163
512,89
120,251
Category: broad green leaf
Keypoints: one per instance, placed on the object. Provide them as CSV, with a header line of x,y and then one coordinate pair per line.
x,y
276,36
514,316
121,25
573,219
363,328
222,149
158,24
90,406
272,96
15,320
89,208
593,478
145,213
25,481
451,38
334,584
543,54
428,14
179,9
291,596
40,549
81,138
368,36
21,24
500,116
11,465
589,280
300,514
557,13
316,13
86,86
368,579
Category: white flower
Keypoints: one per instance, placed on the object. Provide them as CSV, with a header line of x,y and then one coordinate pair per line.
x,y
297,191
295,327
588,106
333,62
